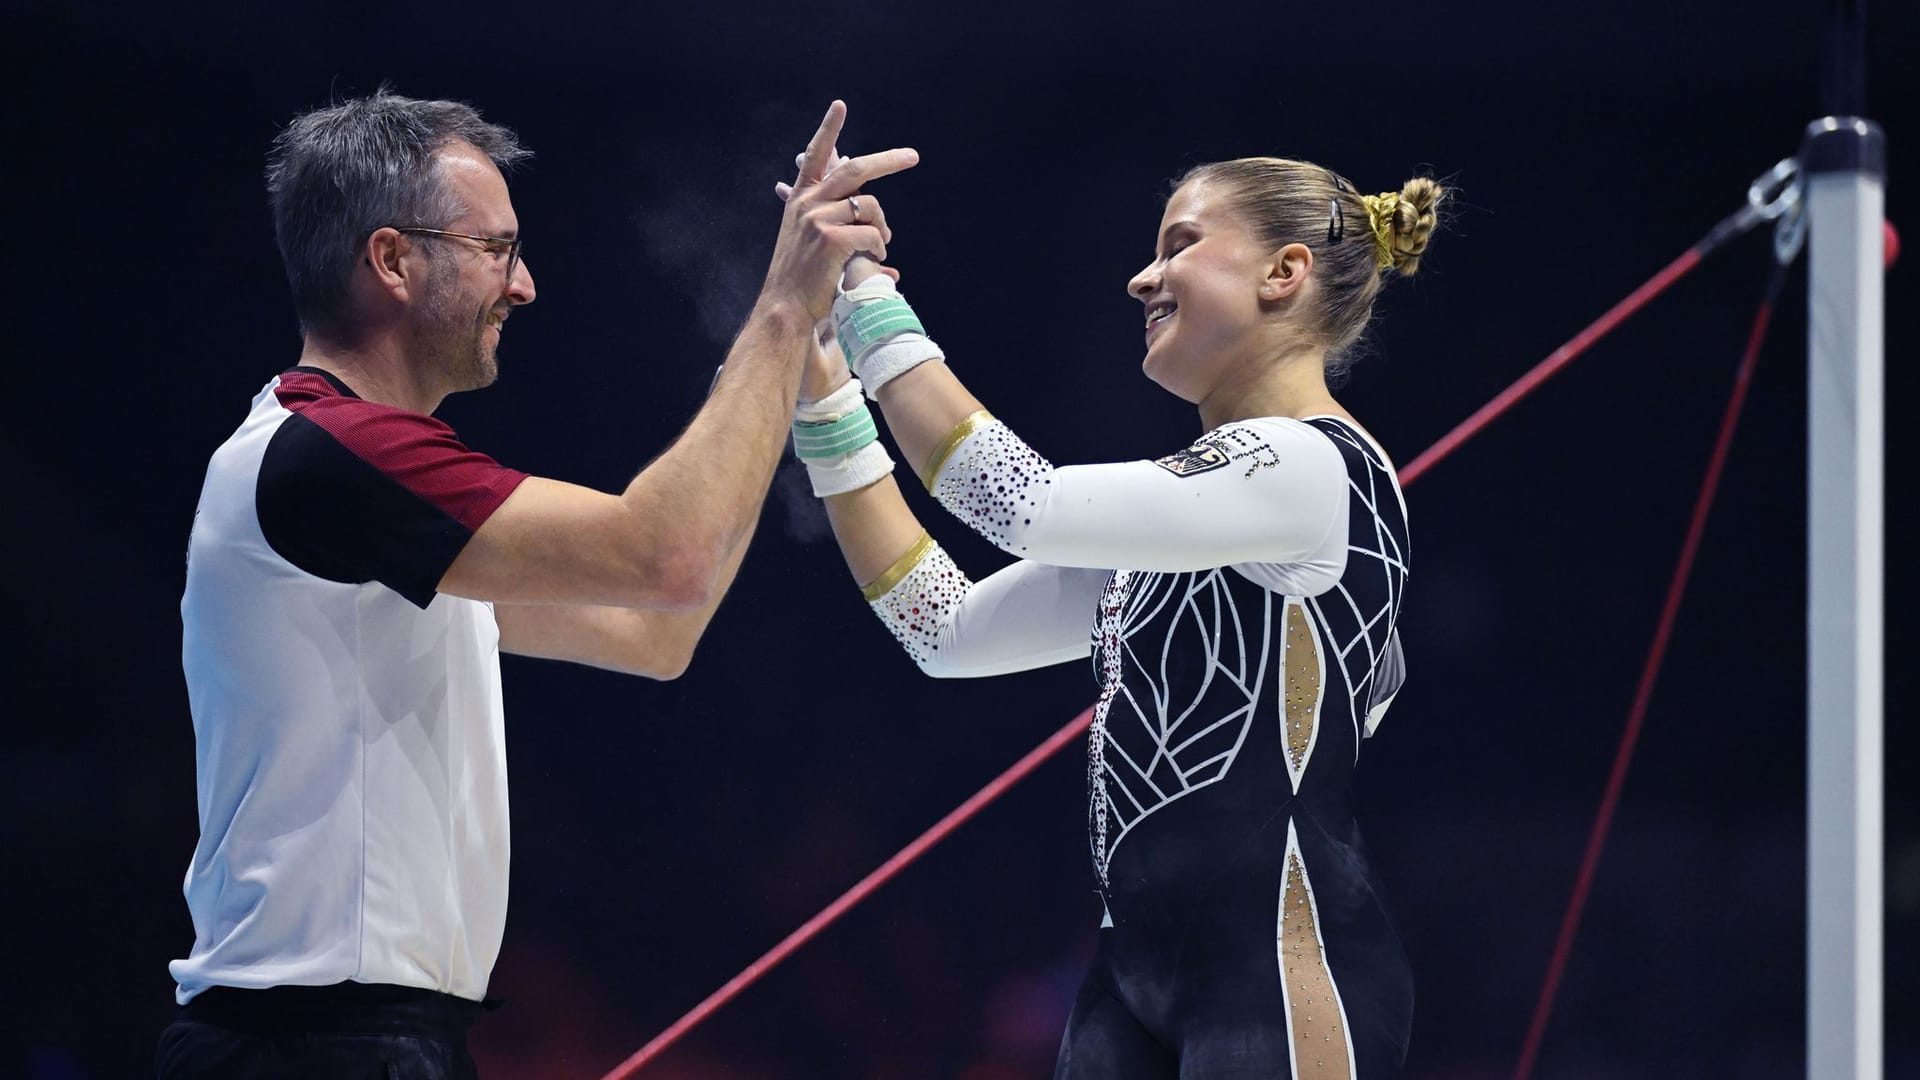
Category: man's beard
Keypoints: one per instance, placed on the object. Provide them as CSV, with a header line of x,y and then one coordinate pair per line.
x,y
450,343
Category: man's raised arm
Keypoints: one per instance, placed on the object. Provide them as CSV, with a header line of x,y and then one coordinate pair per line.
x,y
666,542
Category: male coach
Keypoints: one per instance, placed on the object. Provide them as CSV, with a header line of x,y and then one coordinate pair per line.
x,y
354,572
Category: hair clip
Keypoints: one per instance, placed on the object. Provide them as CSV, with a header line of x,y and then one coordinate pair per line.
x,y
1336,221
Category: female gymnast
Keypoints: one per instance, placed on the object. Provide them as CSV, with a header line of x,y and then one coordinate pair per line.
x,y
1238,599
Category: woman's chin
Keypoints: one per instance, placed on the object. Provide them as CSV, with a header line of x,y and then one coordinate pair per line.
x,y
1166,375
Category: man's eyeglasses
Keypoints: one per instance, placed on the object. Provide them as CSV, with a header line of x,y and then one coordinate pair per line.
x,y
495,245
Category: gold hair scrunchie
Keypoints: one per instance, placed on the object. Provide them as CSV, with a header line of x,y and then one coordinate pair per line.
x,y
1381,210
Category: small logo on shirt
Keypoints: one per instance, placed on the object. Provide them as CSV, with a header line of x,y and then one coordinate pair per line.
x,y
1198,458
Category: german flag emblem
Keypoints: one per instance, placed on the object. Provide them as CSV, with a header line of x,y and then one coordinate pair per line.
x,y
1198,458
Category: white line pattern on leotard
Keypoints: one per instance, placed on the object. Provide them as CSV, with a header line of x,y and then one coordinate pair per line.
x,y
1237,649
1132,600
1371,632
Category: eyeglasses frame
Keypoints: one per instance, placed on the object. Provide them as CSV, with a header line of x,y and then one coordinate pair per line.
x,y
512,242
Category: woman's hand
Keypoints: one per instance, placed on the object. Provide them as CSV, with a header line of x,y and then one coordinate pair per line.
x,y
826,368
861,267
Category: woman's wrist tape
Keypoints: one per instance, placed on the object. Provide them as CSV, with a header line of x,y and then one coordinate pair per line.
x,y
835,437
817,439
879,333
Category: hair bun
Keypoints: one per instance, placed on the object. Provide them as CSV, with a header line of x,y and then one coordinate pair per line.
x,y
1414,221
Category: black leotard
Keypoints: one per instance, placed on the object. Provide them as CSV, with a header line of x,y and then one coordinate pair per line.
x,y
1243,654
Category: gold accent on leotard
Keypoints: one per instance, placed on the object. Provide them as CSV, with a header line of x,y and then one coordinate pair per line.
x,y
1302,690
951,443
1313,1009
901,567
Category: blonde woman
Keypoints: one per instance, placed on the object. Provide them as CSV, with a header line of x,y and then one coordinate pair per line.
x,y
1238,599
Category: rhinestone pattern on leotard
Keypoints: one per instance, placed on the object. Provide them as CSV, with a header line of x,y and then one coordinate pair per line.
x,y
992,481
922,602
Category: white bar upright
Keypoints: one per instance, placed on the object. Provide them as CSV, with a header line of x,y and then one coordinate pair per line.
x,y
1844,162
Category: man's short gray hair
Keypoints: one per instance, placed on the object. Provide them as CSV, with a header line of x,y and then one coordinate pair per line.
x,y
339,172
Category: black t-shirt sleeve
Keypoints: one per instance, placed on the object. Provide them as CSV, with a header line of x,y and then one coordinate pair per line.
x,y
356,492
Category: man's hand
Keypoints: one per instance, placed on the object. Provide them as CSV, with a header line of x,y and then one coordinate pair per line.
x,y
862,266
827,220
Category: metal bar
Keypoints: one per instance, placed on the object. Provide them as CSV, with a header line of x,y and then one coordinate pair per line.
x,y
1843,161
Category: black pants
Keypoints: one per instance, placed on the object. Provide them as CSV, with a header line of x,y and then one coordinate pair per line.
x,y
349,1031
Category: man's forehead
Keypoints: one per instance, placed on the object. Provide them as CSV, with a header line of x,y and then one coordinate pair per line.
x,y
477,181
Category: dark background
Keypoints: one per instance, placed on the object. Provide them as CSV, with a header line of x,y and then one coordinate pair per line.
x,y
665,835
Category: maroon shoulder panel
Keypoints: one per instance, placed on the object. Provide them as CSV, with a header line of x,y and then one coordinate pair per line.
x,y
416,451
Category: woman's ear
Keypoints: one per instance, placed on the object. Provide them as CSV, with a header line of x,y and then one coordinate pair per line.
x,y
1286,272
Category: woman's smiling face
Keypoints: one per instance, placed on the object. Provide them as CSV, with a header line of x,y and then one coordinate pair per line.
x,y
1202,293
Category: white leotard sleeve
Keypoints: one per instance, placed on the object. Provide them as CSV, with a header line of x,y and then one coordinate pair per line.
x,y
1267,496
1026,616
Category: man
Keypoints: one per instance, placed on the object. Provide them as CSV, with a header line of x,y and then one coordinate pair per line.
x,y
354,572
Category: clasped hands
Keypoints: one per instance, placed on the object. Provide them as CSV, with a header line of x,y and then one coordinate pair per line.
x,y
826,192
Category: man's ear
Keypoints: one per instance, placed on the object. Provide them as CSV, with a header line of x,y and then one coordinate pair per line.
x,y
383,256
1286,272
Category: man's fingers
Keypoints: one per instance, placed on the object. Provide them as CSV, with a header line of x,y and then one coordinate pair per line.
x,y
862,239
866,210
867,168
785,190
871,213
819,153
834,160
854,211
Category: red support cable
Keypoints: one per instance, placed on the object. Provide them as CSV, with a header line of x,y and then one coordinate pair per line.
x,y
1548,368
860,891
1654,286
1630,738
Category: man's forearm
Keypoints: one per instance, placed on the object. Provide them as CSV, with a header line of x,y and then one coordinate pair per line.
x,y
674,634
714,477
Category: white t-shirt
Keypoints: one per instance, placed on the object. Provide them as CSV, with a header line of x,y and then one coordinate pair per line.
x,y
350,747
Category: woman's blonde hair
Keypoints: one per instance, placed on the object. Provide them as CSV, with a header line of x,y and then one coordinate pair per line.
x,y
1355,238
